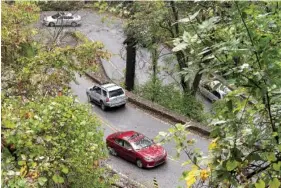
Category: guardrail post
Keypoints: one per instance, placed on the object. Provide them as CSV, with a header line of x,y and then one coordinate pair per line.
x,y
155,183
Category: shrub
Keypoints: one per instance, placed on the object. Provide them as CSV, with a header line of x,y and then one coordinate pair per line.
x,y
172,98
54,141
60,5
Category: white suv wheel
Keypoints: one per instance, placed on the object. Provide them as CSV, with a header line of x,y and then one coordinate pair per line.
x,y
103,107
89,98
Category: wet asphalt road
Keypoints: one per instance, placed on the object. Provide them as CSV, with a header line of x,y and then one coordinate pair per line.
x,y
130,118
109,30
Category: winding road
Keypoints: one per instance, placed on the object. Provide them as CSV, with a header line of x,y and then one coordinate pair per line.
x,y
131,118
108,30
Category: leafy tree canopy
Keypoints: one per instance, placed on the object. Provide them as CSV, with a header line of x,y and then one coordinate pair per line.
x,y
245,49
48,139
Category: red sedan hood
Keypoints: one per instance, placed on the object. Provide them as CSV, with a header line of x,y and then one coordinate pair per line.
x,y
152,151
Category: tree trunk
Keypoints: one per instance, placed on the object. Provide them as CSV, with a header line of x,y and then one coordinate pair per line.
x,y
155,57
130,63
199,74
181,58
181,61
196,82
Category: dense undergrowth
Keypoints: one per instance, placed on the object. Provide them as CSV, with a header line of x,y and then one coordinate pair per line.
x,y
172,98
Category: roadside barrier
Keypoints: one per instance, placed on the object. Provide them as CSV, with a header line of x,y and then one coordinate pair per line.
x,y
160,110
155,183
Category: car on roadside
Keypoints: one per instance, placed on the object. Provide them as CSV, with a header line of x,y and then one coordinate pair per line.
x,y
137,148
62,19
213,90
107,95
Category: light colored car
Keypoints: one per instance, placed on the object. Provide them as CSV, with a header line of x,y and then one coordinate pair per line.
x,y
107,95
62,19
213,90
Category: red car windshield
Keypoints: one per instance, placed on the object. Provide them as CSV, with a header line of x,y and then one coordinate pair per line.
x,y
142,143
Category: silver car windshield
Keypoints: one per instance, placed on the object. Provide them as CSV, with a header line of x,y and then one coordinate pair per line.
x,y
115,93
142,143
56,16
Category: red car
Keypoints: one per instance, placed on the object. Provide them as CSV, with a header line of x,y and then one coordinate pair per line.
x,y
137,148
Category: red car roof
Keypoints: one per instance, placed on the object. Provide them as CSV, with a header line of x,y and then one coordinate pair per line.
x,y
130,136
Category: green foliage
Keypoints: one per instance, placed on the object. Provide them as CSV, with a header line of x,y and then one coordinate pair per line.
x,y
242,41
184,104
29,67
60,5
56,141
144,23
118,8
48,139
14,36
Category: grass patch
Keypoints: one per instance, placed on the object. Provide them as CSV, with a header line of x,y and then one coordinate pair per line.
x,y
172,98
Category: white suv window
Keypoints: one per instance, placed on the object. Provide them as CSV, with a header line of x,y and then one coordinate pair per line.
x,y
115,93
104,93
98,90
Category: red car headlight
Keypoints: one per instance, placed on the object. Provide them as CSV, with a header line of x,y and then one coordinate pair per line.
x,y
148,159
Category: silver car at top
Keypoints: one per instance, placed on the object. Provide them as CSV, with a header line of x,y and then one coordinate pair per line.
x,y
62,19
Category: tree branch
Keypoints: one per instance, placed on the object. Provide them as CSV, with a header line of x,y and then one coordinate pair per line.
x,y
267,101
249,176
167,28
248,32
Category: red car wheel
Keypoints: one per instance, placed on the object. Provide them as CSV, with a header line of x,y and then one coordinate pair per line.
x,y
112,151
139,163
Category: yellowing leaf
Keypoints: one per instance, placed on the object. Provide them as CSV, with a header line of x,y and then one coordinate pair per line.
x,y
33,175
23,170
190,181
191,176
28,115
204,174
213,144
96,163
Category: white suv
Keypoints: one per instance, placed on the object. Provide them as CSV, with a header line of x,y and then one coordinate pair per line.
x,y
213,90
107,95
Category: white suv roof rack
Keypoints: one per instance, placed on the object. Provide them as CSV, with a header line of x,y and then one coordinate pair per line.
x,y
108,85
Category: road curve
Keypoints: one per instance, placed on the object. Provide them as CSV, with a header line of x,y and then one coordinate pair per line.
x,y
131,118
